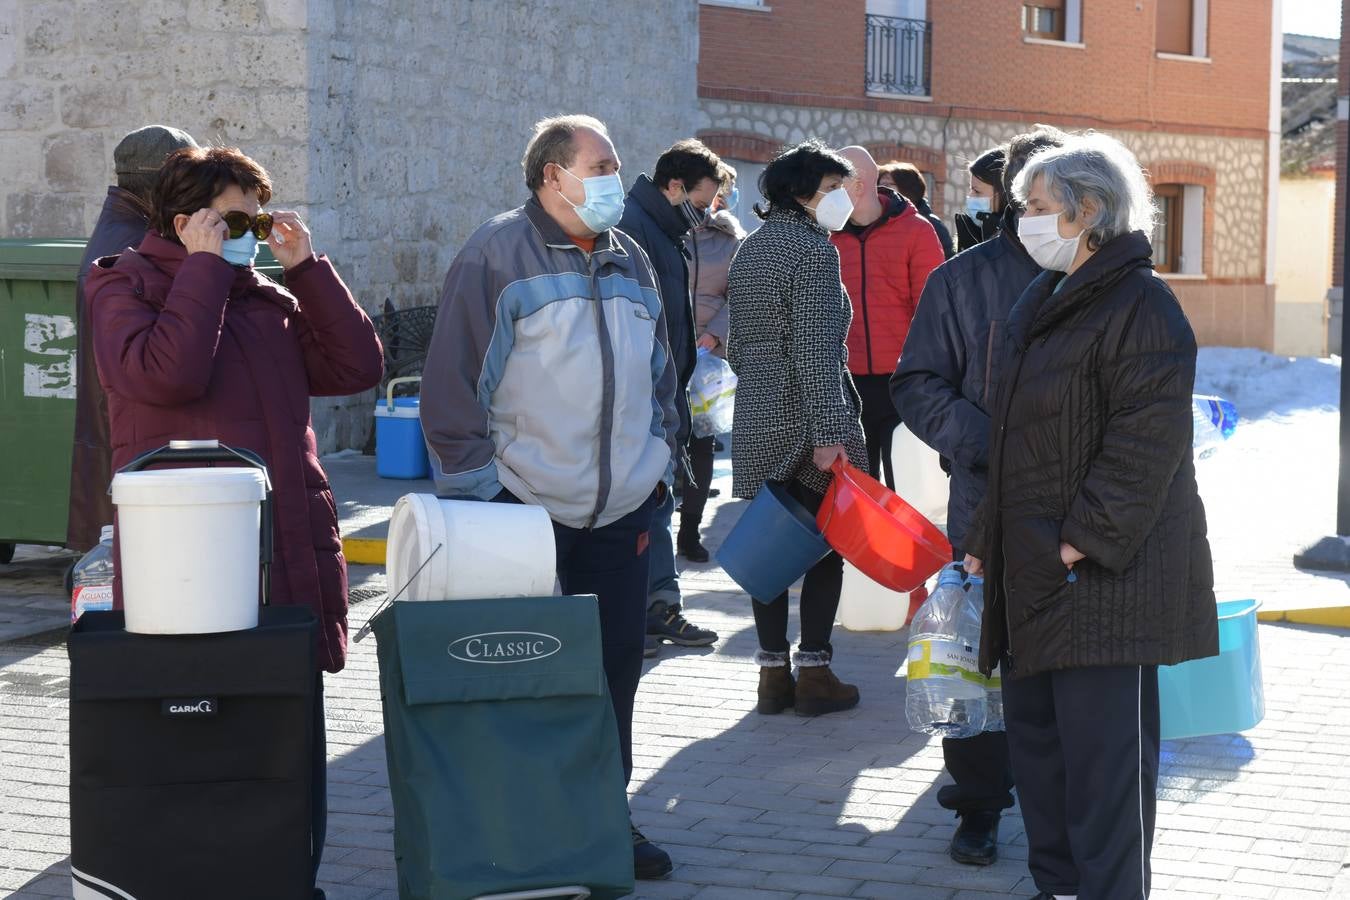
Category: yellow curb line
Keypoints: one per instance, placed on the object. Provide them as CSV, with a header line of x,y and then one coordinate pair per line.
x,y
364,551
1330,616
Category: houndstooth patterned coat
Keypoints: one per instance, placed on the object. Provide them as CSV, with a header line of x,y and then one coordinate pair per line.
x,y
790,317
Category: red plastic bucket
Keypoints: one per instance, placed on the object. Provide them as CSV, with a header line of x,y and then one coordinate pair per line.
x,y
871,527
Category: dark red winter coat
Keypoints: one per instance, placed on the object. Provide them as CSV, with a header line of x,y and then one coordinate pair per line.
x,y
884,267
190,347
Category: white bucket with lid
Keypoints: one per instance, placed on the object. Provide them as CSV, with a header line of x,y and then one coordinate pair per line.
x,y
189,548
488,550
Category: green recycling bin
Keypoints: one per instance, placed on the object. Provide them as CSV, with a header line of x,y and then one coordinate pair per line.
x,y
37,388
38,383
503,752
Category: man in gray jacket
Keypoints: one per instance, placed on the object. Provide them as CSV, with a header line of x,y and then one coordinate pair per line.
x,y
549,381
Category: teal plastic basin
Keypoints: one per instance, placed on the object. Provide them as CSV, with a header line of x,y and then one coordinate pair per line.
x,y
1221,694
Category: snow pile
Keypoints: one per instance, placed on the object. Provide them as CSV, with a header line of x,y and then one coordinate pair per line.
x,y
1270,489
1262,385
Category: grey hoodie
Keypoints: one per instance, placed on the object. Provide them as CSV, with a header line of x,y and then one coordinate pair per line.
x,y
549,372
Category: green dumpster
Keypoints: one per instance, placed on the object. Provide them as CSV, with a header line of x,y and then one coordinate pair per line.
x,y
37,385
37,388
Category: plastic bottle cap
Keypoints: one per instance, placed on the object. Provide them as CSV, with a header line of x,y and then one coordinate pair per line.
x,y
106,534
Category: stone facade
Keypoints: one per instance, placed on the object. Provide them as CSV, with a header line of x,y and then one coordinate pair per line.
x,y
1230,305
394,127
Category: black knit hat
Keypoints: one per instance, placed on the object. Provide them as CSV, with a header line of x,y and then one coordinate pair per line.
x,y
144,150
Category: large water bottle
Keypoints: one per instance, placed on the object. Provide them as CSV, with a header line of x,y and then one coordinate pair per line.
x,y
1214,419
93,578
945,692
993,686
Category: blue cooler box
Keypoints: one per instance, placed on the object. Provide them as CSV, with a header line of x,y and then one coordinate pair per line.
x,y
400,449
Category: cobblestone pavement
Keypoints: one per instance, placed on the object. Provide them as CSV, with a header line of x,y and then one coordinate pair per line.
x,y
780,807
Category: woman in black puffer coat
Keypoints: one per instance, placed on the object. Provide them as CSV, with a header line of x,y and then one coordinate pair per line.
x,y
1092,532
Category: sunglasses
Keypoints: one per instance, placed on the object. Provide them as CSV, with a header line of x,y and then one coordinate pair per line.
x,y
240,224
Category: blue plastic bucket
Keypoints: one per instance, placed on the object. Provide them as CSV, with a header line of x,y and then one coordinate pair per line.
x,y
400,450
1221,694
775,542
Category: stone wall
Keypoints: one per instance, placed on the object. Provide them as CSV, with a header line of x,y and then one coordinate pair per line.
x,y
394,127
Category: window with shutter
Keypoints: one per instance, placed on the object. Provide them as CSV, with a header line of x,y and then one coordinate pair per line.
x,y
1176,20
1044,19
1168,230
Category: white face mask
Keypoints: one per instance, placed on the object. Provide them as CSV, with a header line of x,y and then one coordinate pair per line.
x,y
1040,236
834,208
976,205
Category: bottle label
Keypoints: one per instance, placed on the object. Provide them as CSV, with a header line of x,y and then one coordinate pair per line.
x,y
944,659
91,598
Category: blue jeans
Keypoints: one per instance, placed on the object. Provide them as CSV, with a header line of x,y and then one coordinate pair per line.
x,y
664,580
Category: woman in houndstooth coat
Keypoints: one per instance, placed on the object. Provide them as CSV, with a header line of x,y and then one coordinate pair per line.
x,y
796,407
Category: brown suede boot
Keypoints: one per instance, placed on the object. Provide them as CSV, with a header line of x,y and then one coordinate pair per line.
x,y
776,688
819,691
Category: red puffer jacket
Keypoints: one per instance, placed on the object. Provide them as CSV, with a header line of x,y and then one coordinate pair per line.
x,y
190,347
885,266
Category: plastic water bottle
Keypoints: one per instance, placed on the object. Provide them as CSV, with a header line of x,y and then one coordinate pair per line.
x,y
993,686
945,692
93,578
1215,419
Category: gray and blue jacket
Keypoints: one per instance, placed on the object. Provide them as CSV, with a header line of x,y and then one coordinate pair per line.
x,y
549,372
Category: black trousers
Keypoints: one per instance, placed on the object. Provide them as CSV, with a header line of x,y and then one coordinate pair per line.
x,y
318,829
695,497
879,420
1085,749
820,597
982,770
612,562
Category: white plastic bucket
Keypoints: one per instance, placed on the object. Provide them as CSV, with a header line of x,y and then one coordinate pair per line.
x,y
188,541
919,478
865,605
488,550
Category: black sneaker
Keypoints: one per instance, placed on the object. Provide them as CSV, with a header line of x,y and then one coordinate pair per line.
x,y
651,647
665,623
976,840
650,862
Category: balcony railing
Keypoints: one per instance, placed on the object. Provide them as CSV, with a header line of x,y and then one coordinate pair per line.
x,y
899,56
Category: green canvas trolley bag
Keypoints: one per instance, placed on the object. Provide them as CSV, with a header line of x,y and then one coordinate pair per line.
x,y
503,751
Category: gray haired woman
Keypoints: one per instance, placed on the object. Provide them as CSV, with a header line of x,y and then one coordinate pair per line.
x,y
1092,530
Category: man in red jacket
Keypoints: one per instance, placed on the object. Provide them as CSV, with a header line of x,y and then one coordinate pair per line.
x,y
886,252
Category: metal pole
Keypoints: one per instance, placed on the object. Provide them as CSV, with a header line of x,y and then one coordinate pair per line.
x,y
1343,490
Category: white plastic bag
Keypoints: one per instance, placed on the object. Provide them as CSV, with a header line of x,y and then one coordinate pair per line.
x,y
712,395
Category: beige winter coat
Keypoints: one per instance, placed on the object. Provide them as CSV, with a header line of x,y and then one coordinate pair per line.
x,y
712,247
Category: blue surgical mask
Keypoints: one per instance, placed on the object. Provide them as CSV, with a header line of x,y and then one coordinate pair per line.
x,y
240,251
604,201
976,205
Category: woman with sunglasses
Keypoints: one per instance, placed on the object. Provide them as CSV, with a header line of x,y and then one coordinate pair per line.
x,y
191,342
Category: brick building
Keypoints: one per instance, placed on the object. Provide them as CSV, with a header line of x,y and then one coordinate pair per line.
x,y
1189,85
